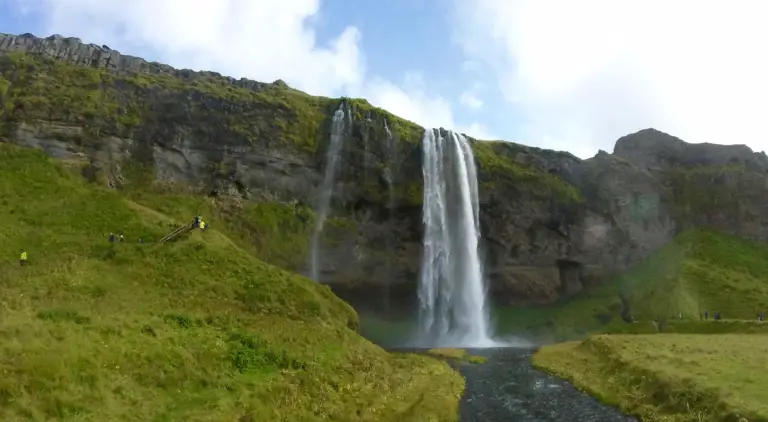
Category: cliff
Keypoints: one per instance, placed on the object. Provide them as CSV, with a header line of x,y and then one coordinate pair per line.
x,y
551,223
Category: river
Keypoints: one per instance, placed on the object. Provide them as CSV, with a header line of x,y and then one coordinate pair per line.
x,y
507,388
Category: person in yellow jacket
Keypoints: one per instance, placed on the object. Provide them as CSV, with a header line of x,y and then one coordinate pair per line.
x,y
202,225
23,258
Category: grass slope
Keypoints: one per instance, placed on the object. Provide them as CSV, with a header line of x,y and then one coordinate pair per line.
x,y
669,377
698,271
193,330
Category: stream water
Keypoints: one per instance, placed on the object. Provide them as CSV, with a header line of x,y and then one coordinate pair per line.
x,y
507,389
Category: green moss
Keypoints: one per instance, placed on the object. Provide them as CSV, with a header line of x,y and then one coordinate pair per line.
x,y
496,158
407,193
705,190
405,131
195,329
699,270
37,88
459,355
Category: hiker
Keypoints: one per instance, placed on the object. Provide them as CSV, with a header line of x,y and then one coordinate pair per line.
x,y
111,238
141,240
706,315
202,225
23,258
680,315
198,219
760,316
122,239
717,316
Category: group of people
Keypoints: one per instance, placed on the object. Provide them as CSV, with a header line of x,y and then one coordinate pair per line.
x,y
717,317
199,223
120,237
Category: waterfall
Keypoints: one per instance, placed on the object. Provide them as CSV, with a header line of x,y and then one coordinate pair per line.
x,y
326,189
451,286
390,179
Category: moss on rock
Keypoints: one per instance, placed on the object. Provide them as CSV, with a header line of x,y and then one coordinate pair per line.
x,y
103,103
497,160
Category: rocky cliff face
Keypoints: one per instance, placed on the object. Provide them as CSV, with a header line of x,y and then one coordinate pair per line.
x,y
552,223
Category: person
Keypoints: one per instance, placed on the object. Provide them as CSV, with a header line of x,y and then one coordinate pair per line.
x,y
706,315
202,225
111,238
122,239
23,258
141,240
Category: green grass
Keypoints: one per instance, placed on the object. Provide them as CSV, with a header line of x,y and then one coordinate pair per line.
x,y
497,160
711,191
195,329
42,89
459,355
698,271
668,377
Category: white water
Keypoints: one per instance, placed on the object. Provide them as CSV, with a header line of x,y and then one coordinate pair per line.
x,y
326,189
451,287
390,176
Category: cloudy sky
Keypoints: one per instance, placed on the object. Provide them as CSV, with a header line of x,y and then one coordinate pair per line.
x,y
560,74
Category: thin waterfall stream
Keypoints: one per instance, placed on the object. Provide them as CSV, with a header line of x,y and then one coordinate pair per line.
x,y
338,133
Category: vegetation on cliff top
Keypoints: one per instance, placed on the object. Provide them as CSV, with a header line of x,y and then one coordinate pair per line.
x,y
670,377
698,271
195,329
713,190
35,88
497,158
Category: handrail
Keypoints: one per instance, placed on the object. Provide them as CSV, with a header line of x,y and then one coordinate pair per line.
x,y
183,229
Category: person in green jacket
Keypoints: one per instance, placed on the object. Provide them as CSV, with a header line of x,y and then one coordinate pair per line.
x,y
23,258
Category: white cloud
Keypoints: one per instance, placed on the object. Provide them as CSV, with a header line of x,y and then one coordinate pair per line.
x,y
477,131
263,40
412,102
258,39
470,100
587,72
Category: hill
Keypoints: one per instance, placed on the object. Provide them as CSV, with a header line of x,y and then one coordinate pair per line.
x,y
699,271
195,329
668,377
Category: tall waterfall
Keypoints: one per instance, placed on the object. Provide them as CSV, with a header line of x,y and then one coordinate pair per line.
x,y
326,189
451,287
389,173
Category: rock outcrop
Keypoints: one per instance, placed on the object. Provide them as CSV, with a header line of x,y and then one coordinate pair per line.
x,y
552,223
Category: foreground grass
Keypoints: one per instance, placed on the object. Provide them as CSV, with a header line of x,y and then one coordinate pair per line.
x,y
698,271
198,329
459,355
670,377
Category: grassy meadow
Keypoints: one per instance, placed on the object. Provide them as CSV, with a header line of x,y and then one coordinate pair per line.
x,y
197,329
669,377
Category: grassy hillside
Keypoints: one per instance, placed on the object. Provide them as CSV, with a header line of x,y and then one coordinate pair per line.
x,y
669,377
698,271
198,329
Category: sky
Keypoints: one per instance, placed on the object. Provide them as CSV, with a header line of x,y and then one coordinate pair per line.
x,y
558,74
